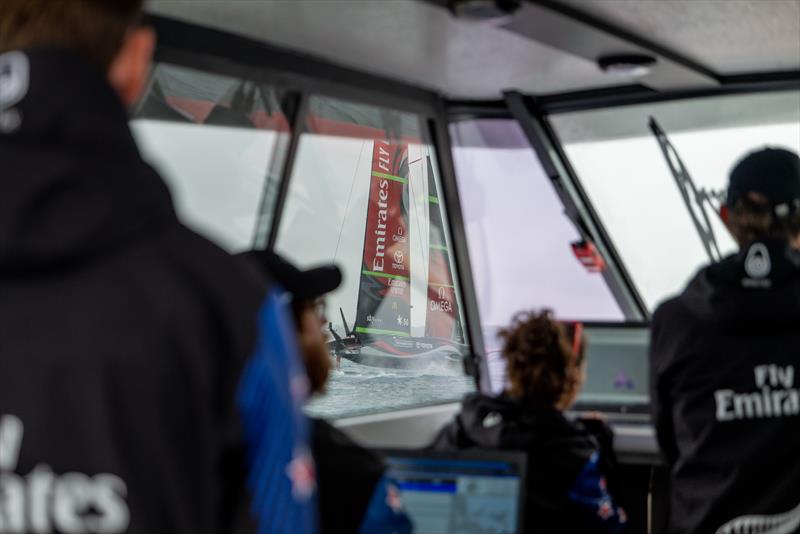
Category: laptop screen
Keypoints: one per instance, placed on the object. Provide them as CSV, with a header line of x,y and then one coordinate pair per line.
x,y
460,492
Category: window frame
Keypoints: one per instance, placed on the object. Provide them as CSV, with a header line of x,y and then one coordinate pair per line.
x,y
214,51
548,145
601,100
209,50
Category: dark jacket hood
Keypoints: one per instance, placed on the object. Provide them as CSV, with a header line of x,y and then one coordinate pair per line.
x,y
72,181
502,422
758,285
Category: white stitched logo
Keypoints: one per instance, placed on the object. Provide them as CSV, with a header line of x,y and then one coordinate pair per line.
x,y
774,396
758,263
14,78
46,501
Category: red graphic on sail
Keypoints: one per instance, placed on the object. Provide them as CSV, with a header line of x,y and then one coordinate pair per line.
x,y
442,307
384,295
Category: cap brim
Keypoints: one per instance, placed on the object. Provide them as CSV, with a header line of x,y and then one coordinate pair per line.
x,y
303,285
316,282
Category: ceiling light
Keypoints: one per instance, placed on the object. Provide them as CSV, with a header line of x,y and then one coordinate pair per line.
x,y
627,65
484,10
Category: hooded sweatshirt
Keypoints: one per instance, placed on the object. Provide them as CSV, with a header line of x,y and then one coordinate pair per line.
x,y
566,488
134,370
725,357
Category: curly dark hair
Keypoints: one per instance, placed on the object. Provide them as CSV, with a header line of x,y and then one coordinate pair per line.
x,y
540,361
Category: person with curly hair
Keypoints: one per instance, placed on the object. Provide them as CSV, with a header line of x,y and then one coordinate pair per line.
x,y
568,461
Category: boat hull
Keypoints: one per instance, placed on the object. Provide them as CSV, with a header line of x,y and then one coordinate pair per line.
x,y
416,356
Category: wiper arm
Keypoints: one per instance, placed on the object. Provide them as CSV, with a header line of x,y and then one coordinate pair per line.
x,y
697,200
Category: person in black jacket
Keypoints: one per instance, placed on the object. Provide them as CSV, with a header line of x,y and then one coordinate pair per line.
x,y
354,495
144,374
725,359
567,464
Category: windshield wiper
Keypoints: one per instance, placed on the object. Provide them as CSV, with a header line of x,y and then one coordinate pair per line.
x,y
698,201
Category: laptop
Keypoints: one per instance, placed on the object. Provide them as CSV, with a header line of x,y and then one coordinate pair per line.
x,y
468,492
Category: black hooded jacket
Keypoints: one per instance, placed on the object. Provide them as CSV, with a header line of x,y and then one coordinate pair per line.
x,y
725,358
566,485
123,335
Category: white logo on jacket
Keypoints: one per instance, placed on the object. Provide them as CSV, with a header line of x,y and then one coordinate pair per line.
x,y
43,501
14,80
758,266
775,396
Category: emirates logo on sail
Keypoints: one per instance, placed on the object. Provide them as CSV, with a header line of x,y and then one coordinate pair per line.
x,y
383,211
380,242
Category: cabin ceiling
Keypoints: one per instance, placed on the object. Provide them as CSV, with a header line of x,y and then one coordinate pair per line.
x,y
421,43
728,37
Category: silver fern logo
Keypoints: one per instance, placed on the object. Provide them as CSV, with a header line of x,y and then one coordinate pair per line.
x,y
785,523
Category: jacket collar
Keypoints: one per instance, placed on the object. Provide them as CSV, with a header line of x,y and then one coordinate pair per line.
x,y
73,183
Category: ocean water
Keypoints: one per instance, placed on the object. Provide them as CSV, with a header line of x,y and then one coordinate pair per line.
x,y
613,353
356,389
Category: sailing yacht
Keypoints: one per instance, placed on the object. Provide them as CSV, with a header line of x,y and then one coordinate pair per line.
x,y
382,336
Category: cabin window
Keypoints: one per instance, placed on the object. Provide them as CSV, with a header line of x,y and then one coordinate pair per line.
x,y
364,194
658,232
518,235
220,143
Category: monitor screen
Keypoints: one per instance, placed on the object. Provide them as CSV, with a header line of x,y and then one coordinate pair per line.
x,y
460,492
617,369
616,373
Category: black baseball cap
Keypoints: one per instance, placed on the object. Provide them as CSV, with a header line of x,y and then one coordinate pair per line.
x,y
302,285
771,172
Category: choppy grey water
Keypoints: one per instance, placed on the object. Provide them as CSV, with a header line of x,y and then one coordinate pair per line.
x,y
356,389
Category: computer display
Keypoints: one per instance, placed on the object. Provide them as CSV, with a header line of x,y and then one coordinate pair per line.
x,y
617,367
460,492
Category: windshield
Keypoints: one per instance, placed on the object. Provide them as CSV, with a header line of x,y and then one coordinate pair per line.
x,y
661,223
506,200
364,193
219,142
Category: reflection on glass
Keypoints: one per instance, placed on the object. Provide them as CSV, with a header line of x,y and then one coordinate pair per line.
x,y
219,143
364,194
518,235
622,168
